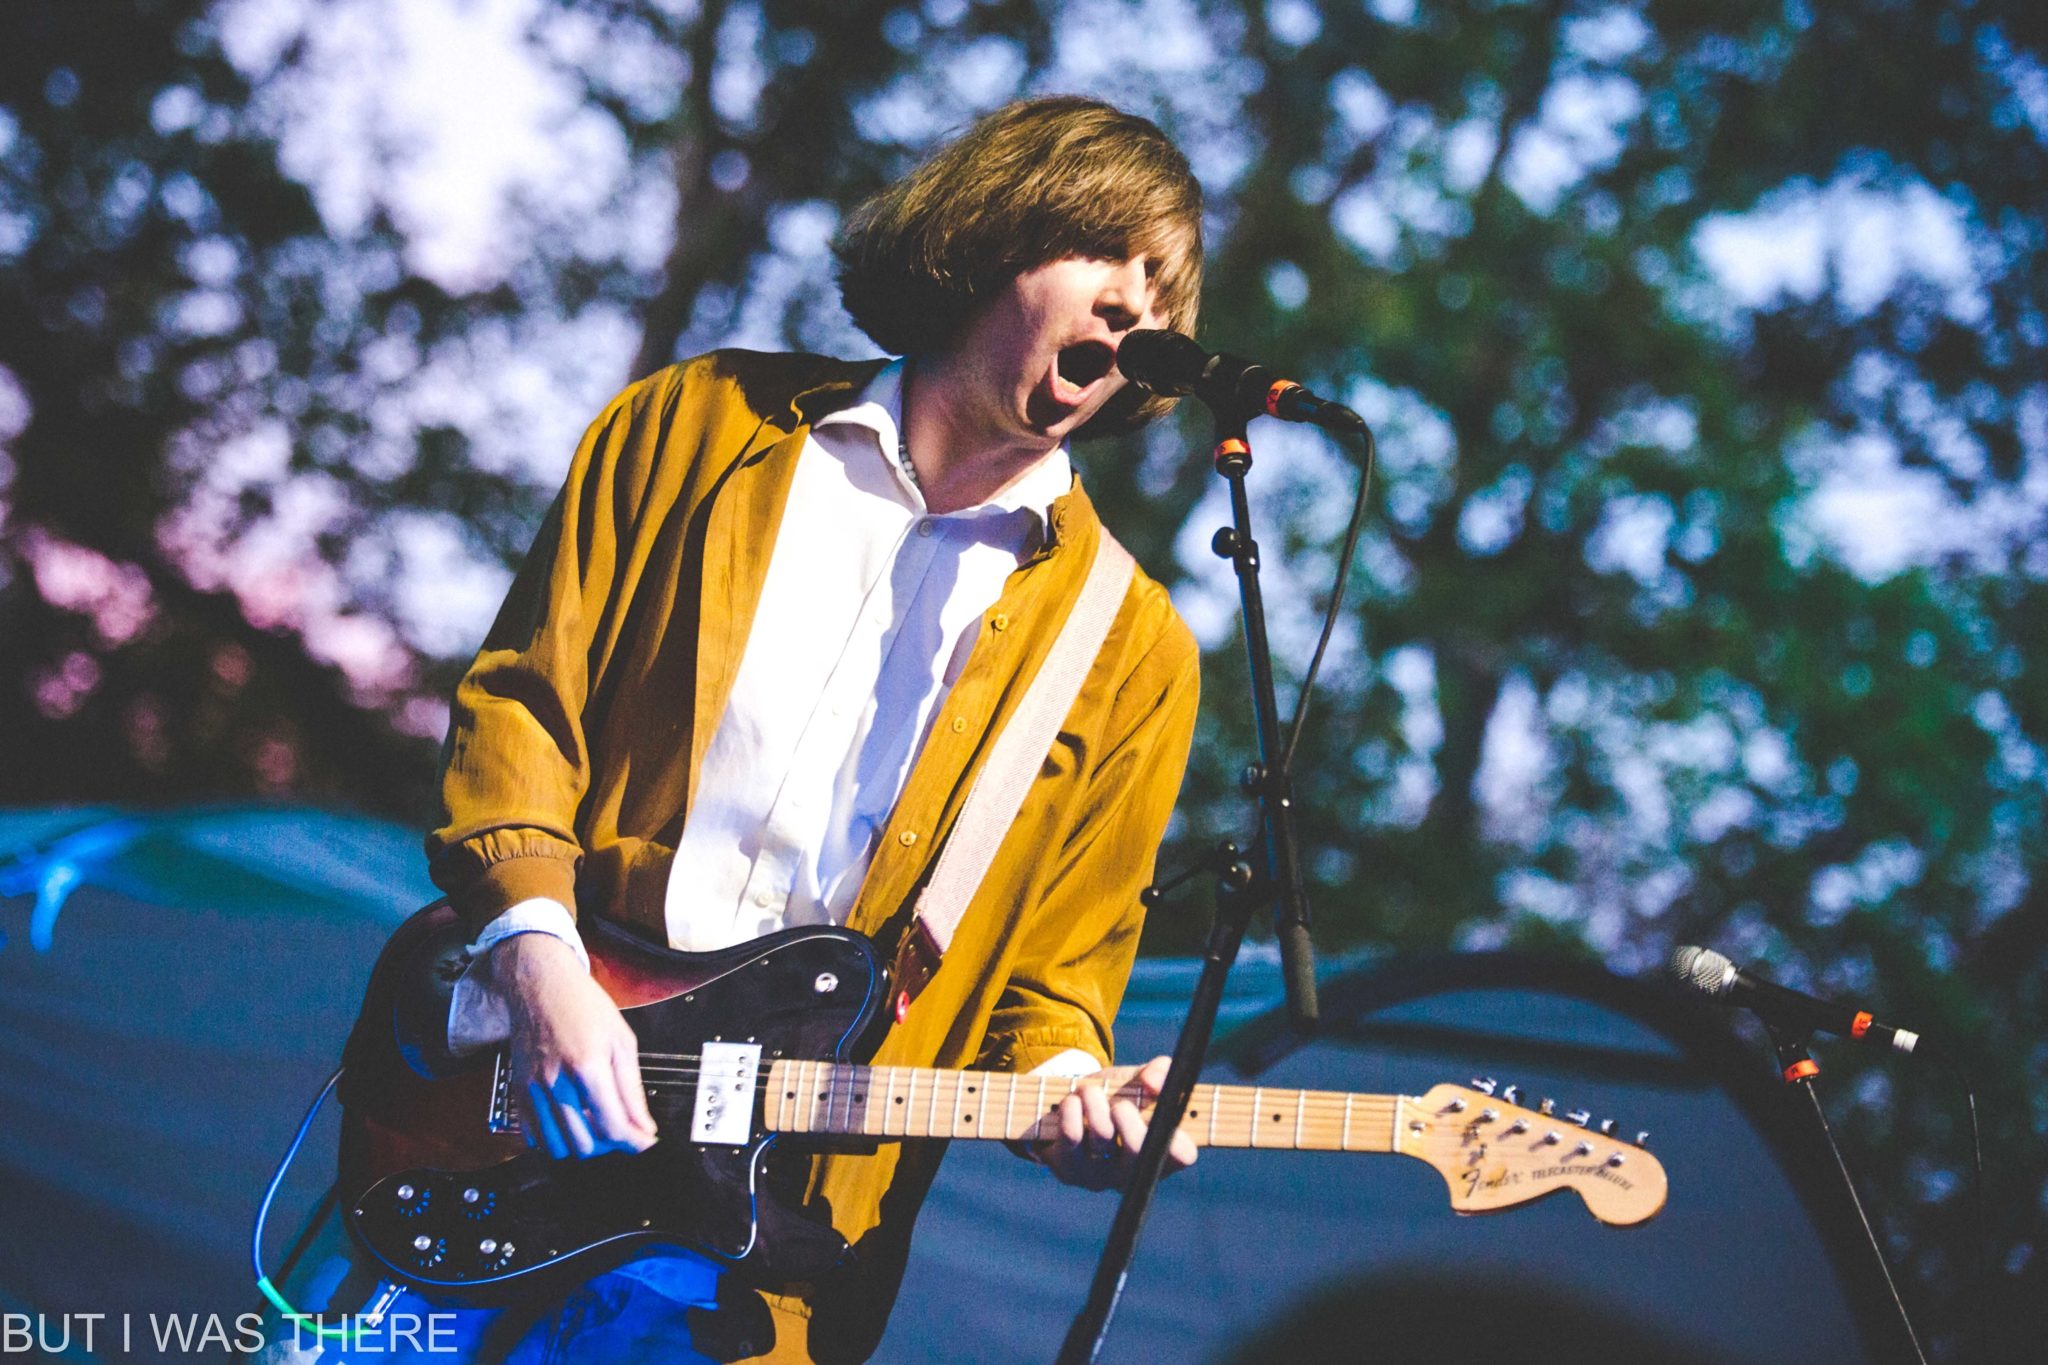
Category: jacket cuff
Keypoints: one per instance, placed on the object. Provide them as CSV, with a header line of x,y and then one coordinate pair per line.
x,y
507,882
1029,1049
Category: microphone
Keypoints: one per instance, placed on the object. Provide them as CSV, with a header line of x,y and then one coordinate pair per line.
x,y
1171,365
1710,973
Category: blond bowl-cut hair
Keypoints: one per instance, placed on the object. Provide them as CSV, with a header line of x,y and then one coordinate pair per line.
x,y
1036,181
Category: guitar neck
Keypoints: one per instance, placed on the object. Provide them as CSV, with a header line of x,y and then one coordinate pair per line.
x,y
908,1101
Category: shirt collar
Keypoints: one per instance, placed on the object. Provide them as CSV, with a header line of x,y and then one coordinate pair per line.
x,y
879,409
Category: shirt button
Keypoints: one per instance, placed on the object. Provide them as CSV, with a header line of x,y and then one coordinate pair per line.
x,y
764,899
907,837
959,724
924,528
999,622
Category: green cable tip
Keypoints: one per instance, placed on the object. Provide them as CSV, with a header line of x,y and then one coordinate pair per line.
x,y
301,1320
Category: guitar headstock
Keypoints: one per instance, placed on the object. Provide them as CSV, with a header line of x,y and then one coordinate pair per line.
x,y
1495,1154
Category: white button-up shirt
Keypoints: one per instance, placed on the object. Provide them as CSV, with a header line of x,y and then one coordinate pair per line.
x,y
869,609
868,612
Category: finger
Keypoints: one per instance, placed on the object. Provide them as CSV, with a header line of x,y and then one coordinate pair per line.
x,y
1130,1125
568,1097
626,1070
541,1109
1095,1113
597,1092
1181,1151
1152,1076
1073,1125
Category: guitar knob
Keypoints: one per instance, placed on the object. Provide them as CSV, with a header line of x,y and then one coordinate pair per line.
x,y
471,1195
422,1242
1484,1084
405,1193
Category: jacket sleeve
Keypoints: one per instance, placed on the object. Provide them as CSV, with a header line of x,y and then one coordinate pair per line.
x,y
516,764
1069,974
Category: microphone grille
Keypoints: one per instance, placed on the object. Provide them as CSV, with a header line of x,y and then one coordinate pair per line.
x,y
1161,362
1703,969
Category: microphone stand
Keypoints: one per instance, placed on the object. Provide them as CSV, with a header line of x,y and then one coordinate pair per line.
x,y
1241,890
1797,1068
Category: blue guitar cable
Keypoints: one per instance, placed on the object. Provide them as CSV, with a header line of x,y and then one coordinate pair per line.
x,y
350,1334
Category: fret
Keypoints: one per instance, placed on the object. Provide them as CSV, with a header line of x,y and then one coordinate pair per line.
x,y
825,1097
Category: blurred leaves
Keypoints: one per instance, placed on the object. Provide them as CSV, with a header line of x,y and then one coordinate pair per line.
x,y
1705,343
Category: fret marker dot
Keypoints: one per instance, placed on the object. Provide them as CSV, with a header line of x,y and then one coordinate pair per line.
x,y
899,1099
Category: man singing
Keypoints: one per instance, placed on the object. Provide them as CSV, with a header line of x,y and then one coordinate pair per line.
x,y
758,653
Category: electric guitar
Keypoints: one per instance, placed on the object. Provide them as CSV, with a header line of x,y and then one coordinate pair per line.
x,y
753,1044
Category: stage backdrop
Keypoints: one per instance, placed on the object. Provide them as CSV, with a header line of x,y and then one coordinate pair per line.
x,y
174,987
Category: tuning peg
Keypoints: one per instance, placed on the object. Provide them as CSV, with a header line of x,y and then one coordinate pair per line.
x,y
1549,1106
1579,1116
1513,1094
1607,1127
1484,1084
1643,1138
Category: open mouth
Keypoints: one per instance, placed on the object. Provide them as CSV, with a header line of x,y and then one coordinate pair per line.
x,y
1085,362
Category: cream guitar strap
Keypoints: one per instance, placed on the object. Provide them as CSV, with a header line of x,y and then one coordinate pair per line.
x,y
1013,762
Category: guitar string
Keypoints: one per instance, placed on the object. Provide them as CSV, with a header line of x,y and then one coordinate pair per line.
x,y
1318,1108
681,1078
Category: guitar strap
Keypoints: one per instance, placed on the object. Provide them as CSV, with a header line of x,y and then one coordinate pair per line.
x,y
1014,761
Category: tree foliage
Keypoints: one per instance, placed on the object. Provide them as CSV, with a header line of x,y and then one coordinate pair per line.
x,y
1705,343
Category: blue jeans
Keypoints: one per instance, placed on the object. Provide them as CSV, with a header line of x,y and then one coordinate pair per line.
x,y
638,1311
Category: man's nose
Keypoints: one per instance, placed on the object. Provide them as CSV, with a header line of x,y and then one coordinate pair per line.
x,y
1126,298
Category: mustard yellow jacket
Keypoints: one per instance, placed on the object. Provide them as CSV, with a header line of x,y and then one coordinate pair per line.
x,y
578,735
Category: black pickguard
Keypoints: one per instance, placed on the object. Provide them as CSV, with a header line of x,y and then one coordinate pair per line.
x,y
495,1232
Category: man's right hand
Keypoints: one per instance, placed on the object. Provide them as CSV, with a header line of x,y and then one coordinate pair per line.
x,y
575,1061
